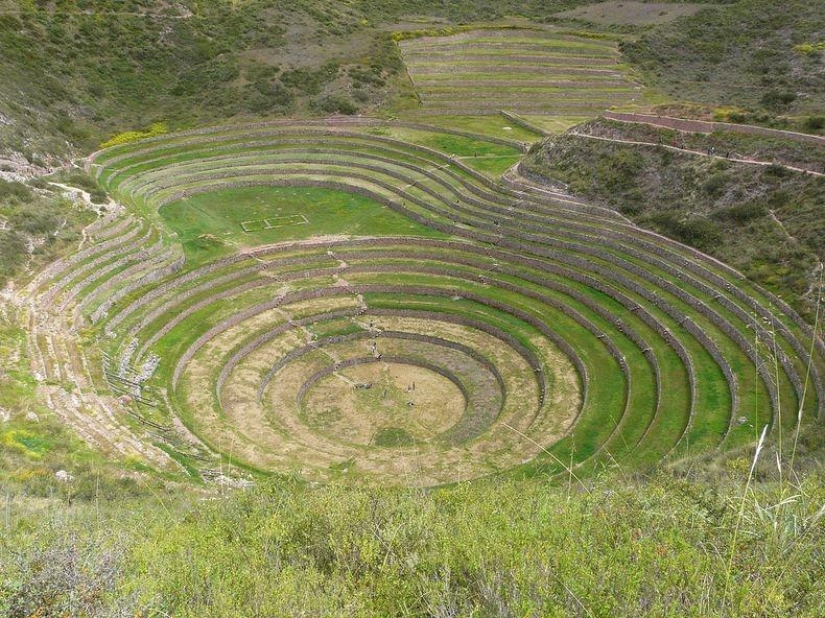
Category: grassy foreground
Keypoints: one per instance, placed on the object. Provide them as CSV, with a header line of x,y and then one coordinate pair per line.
x,y
663,546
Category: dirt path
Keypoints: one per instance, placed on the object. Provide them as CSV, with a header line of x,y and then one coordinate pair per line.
x,y
707,127
697,153
781,225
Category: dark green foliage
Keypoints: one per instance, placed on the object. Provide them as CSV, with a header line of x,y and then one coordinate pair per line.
x,y
264,96
777,100
618,171
37,228
393,437
335,104
814,124
12,253
386,56
715,184
95,74
34,222
308,81
14,192
361,77
743,212
697,232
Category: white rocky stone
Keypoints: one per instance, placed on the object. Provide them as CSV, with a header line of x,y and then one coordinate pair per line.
x,y
63,476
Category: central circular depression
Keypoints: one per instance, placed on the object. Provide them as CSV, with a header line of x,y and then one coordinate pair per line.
x,y
384,404
292,394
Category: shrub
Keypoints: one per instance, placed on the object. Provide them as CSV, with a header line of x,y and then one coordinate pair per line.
x,y
157,128
778,99
263,96
14,191
34,222
715,184
620,171
336,104
64,580
697,232
12,253
742,213
730,114
814,123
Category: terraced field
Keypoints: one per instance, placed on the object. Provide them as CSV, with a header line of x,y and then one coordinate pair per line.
x,y
374,298
523,71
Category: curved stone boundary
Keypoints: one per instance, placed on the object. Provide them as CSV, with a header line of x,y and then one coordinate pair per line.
x,y
475,407
537,245
329,123
653,250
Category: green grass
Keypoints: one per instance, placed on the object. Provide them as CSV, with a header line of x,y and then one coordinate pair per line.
x,y
494,126
210,224
515,544
653,546
221,213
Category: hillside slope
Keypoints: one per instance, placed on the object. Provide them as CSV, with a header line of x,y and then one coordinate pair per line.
x,y
75,72
664,546
767,221
745,54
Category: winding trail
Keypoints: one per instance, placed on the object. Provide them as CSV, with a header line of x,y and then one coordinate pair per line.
x,y
697,153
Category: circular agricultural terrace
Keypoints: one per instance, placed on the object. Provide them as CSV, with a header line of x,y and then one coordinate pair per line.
x,y
371,297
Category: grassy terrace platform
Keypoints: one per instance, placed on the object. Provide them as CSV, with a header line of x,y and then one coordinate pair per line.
x,y
521,70
368,298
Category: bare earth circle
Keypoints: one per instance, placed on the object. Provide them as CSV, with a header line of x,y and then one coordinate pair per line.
x,y
361,403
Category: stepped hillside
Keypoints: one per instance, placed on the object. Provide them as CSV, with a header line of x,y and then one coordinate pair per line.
x,y
422,308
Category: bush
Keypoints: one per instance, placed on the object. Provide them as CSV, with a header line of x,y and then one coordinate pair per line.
x,y
776,100
15,191
12,253
715,184
620,171
336,104
158,128
742,213
814,123
697,232
263,96
34,222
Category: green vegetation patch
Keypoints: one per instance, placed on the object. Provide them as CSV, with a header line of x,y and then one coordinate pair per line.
x,y
480,549
209,224
392,437
36,226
